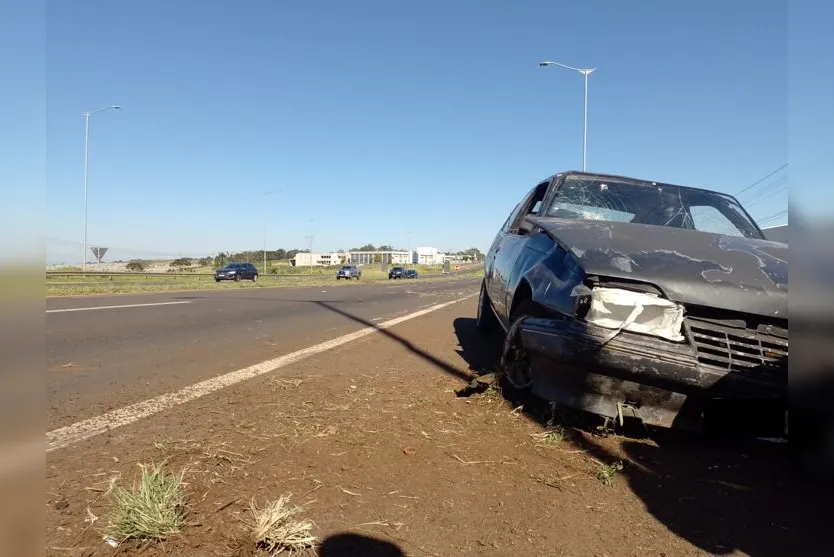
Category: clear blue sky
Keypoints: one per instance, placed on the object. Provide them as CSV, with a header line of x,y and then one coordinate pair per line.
x,y
415,123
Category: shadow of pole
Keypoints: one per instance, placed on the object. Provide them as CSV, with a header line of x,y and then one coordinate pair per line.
x,y
438,363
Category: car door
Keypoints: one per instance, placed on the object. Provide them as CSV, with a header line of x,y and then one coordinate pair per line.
x,y
495,281
512,243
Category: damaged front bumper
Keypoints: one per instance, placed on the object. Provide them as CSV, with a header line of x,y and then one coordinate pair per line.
x,y
635,375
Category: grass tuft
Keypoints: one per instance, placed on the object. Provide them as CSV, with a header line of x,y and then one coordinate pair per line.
x,y
276,529
153,510
608,471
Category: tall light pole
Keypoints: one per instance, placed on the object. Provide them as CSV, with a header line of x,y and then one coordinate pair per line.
x,y
266,194
586,72
86,173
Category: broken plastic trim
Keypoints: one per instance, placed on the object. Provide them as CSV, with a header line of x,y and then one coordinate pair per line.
x,y
638,312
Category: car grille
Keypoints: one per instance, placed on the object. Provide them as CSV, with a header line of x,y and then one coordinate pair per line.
x,y
750,351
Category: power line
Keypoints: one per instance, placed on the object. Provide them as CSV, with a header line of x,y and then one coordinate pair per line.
x,y
774,216
74,244
770,186
774,192
757,182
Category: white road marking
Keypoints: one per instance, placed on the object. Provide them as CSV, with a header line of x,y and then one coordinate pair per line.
x,y
117,307
85,429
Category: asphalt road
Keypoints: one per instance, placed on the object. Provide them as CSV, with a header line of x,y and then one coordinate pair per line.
x,y
102,359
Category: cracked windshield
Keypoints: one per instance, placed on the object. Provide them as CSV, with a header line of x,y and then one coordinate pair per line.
x,y
658,205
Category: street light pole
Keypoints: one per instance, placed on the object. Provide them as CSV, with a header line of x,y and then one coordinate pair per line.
x,y
586,72
86,174
266,194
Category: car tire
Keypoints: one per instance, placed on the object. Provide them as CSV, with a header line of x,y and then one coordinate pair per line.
x,y
237,278
517,368
255,278
216,280
485,321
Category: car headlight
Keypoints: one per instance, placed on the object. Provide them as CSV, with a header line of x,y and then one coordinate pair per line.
x,y
639,312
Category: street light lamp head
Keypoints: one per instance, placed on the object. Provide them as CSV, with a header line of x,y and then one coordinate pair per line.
x,y
544,63
116,107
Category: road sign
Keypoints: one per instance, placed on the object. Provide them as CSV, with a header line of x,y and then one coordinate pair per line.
x,y
99,253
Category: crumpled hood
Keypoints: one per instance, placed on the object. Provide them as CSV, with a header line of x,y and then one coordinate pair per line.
x,y
732,273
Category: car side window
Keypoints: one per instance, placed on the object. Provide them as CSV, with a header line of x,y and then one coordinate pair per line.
x,y
506,226
530,206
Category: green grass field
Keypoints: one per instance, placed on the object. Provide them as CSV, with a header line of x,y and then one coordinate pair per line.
x,y
287,276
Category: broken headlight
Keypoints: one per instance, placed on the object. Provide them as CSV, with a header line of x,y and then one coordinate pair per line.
x,y
620,309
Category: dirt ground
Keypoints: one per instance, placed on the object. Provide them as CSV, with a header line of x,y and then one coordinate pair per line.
x,y
387,460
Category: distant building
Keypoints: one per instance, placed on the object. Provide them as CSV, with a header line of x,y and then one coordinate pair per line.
x,y
427,256
369,257
303,259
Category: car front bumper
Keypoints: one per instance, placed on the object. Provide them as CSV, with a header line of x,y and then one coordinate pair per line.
x,y
659,381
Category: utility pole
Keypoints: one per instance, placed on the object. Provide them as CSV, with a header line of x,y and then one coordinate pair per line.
x,y
86,116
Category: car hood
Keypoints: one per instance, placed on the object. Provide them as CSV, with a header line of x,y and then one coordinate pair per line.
x,y
691,267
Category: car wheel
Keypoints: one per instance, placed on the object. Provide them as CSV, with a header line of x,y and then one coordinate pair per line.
x,y
237,278
255,278
486,322
216,280
515,360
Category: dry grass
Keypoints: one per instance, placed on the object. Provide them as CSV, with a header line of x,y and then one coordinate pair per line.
x,y
552,436
275,528
154,509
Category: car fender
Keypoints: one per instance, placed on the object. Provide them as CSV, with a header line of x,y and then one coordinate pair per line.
x,y
551,273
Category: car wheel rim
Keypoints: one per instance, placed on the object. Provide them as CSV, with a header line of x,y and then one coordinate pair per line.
x,y
517,368
515,360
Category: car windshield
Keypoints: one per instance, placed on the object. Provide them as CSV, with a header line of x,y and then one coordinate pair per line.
x,y
346,268
232,267
590,198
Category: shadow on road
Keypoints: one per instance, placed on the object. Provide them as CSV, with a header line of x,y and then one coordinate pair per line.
x,y
355,545
721,495
439,364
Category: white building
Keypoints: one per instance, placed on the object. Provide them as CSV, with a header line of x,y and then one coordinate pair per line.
x,y
303,259
427,256
370,257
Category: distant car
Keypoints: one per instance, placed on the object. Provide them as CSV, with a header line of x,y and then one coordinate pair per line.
x,y
348,272
411,273
626,297
237,272
396,273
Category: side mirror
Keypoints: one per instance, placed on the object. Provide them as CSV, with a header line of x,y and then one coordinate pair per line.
x,y
525,227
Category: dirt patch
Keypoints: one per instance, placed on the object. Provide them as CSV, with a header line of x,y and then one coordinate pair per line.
x,y
373,443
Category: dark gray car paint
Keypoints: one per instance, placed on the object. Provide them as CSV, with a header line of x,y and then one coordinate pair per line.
x,y
691,267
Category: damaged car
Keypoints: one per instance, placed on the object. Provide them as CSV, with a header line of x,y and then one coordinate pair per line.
x,y
629,298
